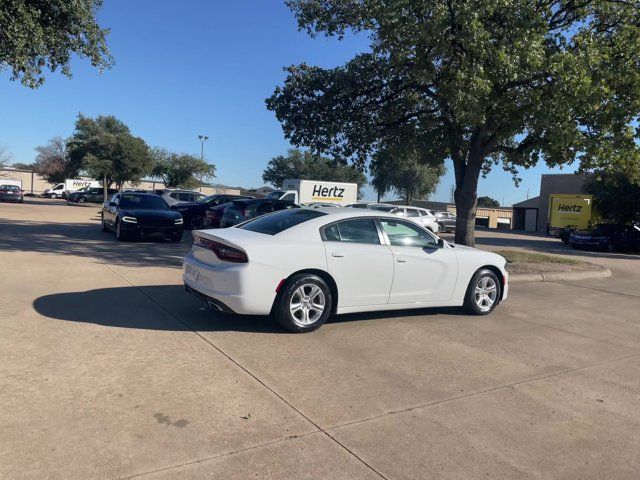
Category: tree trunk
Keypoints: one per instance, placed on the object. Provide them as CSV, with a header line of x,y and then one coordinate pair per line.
x,y
105,188
466,196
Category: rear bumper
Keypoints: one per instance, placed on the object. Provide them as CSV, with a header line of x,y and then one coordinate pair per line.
x,y
247,289
11,198
587,243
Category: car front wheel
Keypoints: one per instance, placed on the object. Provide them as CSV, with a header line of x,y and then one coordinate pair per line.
x,y
120,234
103,226
304,304
483,293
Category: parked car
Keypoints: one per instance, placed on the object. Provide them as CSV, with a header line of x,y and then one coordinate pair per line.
x,y
446,221
11,193
134,215
90,194
320,205
421,216
194,213
213,216
175,197
304,265
359,204
607,236
240,210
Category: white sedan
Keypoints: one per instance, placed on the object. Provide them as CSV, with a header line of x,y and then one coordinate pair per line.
x,y
304,265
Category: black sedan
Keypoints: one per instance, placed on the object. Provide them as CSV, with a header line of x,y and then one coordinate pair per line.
x,y
194,213
607,236
240,210
10,193
133,215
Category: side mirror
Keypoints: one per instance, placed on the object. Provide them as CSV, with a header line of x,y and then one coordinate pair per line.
x,y
440,243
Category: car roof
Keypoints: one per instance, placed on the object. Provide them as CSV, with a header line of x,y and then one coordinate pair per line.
x,y
139,194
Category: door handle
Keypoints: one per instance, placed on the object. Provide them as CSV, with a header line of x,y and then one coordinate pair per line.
x,y
337,254
401,260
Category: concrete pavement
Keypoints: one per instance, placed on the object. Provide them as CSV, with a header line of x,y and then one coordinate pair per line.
x,y
110,370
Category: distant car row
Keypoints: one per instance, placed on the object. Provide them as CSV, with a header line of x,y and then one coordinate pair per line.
x,y
609,237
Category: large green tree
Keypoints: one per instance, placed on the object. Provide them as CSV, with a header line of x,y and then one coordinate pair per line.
x,y
616,195
488,202
44,34
181,169
305,165
403,169
53,162
108,152
481,82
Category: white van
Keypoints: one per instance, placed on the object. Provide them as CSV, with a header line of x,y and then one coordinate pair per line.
x,y
312,191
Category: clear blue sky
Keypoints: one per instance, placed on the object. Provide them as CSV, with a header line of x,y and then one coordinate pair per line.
x,y
189,68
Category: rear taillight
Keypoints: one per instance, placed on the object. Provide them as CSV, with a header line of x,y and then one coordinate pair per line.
x,y
222,251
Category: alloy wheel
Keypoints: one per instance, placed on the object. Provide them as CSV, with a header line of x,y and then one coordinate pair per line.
x,y
307,304
486,292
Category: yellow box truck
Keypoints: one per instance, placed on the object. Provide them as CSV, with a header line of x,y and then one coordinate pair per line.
x,y
569,211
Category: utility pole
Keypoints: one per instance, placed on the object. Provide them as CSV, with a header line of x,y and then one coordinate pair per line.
x,y
452,195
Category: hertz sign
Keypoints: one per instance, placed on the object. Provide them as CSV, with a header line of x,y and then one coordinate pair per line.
x,y
570,211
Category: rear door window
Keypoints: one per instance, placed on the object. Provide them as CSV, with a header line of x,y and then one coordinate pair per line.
x,y
412,213
357,230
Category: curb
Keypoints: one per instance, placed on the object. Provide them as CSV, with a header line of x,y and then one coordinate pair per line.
x,y
559,276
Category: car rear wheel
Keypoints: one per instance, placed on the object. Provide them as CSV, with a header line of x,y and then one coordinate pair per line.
x,y
304,303
103,226
611,246
483,293
82,199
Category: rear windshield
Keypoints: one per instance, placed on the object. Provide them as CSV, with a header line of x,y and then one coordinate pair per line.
x,y
9,187
142,201
280,221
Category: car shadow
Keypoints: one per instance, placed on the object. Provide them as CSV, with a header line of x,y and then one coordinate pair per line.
x,y
86,239
173,309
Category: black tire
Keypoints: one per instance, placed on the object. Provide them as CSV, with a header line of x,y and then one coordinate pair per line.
x,y
120,234
472,304
196,222
611,247
82,200
291,291
103,226
176,237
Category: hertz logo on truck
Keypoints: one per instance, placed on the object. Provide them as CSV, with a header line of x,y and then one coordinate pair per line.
x,y
563,207
328,192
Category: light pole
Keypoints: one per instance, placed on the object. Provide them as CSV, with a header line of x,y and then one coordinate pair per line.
x,y
203,138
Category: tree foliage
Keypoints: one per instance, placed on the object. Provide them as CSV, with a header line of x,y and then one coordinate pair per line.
x,y
403,170
488,202
107,150
36,34
5,156
482,82
53,162
305,165
616,195
181,169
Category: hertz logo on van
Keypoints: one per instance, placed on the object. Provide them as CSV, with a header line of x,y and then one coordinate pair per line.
x,y
327,192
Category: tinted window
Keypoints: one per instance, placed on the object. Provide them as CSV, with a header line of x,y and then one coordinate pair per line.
x,y
142,201
280,221
412,213
403,234
358,230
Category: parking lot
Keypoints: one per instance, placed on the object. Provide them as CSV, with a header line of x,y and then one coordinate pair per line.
x,y
110,370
